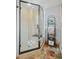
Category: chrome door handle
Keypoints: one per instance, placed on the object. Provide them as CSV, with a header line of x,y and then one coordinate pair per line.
x,y
36,35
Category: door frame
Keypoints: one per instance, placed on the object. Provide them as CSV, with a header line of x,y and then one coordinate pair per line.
x,y
20,26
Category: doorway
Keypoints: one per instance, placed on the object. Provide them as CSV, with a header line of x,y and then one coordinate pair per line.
x,y
30,27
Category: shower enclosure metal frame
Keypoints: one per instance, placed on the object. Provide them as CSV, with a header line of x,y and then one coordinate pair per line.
x,y
20,26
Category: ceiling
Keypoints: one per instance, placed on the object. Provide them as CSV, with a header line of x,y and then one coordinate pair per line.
x,y
46,3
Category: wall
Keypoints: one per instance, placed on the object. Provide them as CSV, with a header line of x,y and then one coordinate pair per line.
x,y
55,11
17,30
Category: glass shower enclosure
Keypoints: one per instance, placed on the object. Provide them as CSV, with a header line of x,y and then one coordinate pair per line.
x,y
30,26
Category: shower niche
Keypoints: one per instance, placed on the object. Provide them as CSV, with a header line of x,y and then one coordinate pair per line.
x,y
30,26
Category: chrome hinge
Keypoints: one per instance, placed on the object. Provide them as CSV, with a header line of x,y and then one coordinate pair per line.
x,y
18,7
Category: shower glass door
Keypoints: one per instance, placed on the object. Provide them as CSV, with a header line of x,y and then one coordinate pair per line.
x,y
29,27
